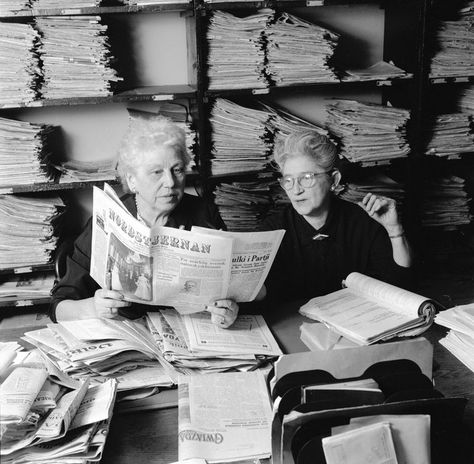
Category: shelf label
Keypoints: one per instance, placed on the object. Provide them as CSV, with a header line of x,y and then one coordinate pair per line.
x,y
260,91
384,83
35,103
162,97
70,11
21,270
24,303
314,2
461,79
6,191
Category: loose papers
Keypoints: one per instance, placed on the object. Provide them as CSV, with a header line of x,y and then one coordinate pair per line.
x,y
224,417
378,71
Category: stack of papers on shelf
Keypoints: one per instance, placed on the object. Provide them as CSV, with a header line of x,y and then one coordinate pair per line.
x,y
236,50
240,138
76,57
243,205
80,171
24,155
24,287
100,349
19,68
369,133
455,54
445,203
224,417
45,416
299,51
450,136
460,339
59,4
379,184
8,7
27,224
378,71
193,344
466,100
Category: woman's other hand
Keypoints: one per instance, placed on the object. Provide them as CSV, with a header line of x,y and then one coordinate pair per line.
x,y
383,210
223,312
108,302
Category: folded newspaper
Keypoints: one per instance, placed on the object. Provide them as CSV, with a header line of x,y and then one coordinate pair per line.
x,y
174,267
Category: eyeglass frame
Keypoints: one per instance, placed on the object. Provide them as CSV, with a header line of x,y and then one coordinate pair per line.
x,y
313,177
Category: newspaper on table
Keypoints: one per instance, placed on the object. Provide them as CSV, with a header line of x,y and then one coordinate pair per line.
x,y
224,417
174,267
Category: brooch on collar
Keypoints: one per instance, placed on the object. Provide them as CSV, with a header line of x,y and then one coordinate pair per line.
x,y
320,236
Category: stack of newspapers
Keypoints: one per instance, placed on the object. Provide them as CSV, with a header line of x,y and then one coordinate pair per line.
x,y
240,138
369,133
57,4
451,136
299,51
195,345
445,203
378,184
378,71
460,339
28,223
25,289
236,50
45,416
80,171
19,68
98,350
10,7
24,155
243,205
466,101
76,57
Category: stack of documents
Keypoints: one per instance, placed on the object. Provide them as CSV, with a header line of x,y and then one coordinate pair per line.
x,y
80,171
378,184
58,4
450,136
455,55
26,287
100,349
243,205
466,100
8,7
460,339
240,138
299,51
377,72
27,224
45,416
369,133
76,57
445,203
236,50
19,68
193,344
24,155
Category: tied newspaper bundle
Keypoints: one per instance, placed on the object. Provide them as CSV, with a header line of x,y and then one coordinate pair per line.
x,y
173,267
193,344
45,416
102,349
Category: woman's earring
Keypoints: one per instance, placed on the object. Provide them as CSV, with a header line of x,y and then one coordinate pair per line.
x,y
333,187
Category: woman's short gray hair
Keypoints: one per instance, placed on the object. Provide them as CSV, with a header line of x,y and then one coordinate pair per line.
x,y
307,143
144,134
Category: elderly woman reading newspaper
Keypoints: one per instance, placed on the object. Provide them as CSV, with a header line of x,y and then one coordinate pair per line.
x,y
151,163
328,238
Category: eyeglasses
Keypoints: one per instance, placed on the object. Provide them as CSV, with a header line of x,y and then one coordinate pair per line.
x,y
305,180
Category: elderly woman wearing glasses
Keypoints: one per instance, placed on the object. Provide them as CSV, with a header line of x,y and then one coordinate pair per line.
x,y
152,162
327,238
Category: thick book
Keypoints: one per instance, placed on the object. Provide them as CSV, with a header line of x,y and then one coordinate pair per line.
x,y
369,310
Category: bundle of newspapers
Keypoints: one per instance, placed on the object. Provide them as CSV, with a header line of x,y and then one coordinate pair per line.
x,y
445,203
236,50
466,101
12,7
98,350
378,184
58,4
244,205
28,224
76,57
25,157
450,136
94,170
460,339
26,289
240,138
19,66
193,344
369,133
46,416
299,51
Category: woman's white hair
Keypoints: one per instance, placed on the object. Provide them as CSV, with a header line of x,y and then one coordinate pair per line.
x,y
142,136
306,143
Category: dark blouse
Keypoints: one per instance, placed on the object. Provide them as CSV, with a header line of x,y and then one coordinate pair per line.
x,y
77,283
306,267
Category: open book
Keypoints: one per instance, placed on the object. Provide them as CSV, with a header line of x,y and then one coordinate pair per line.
x,y
369,310
174,267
